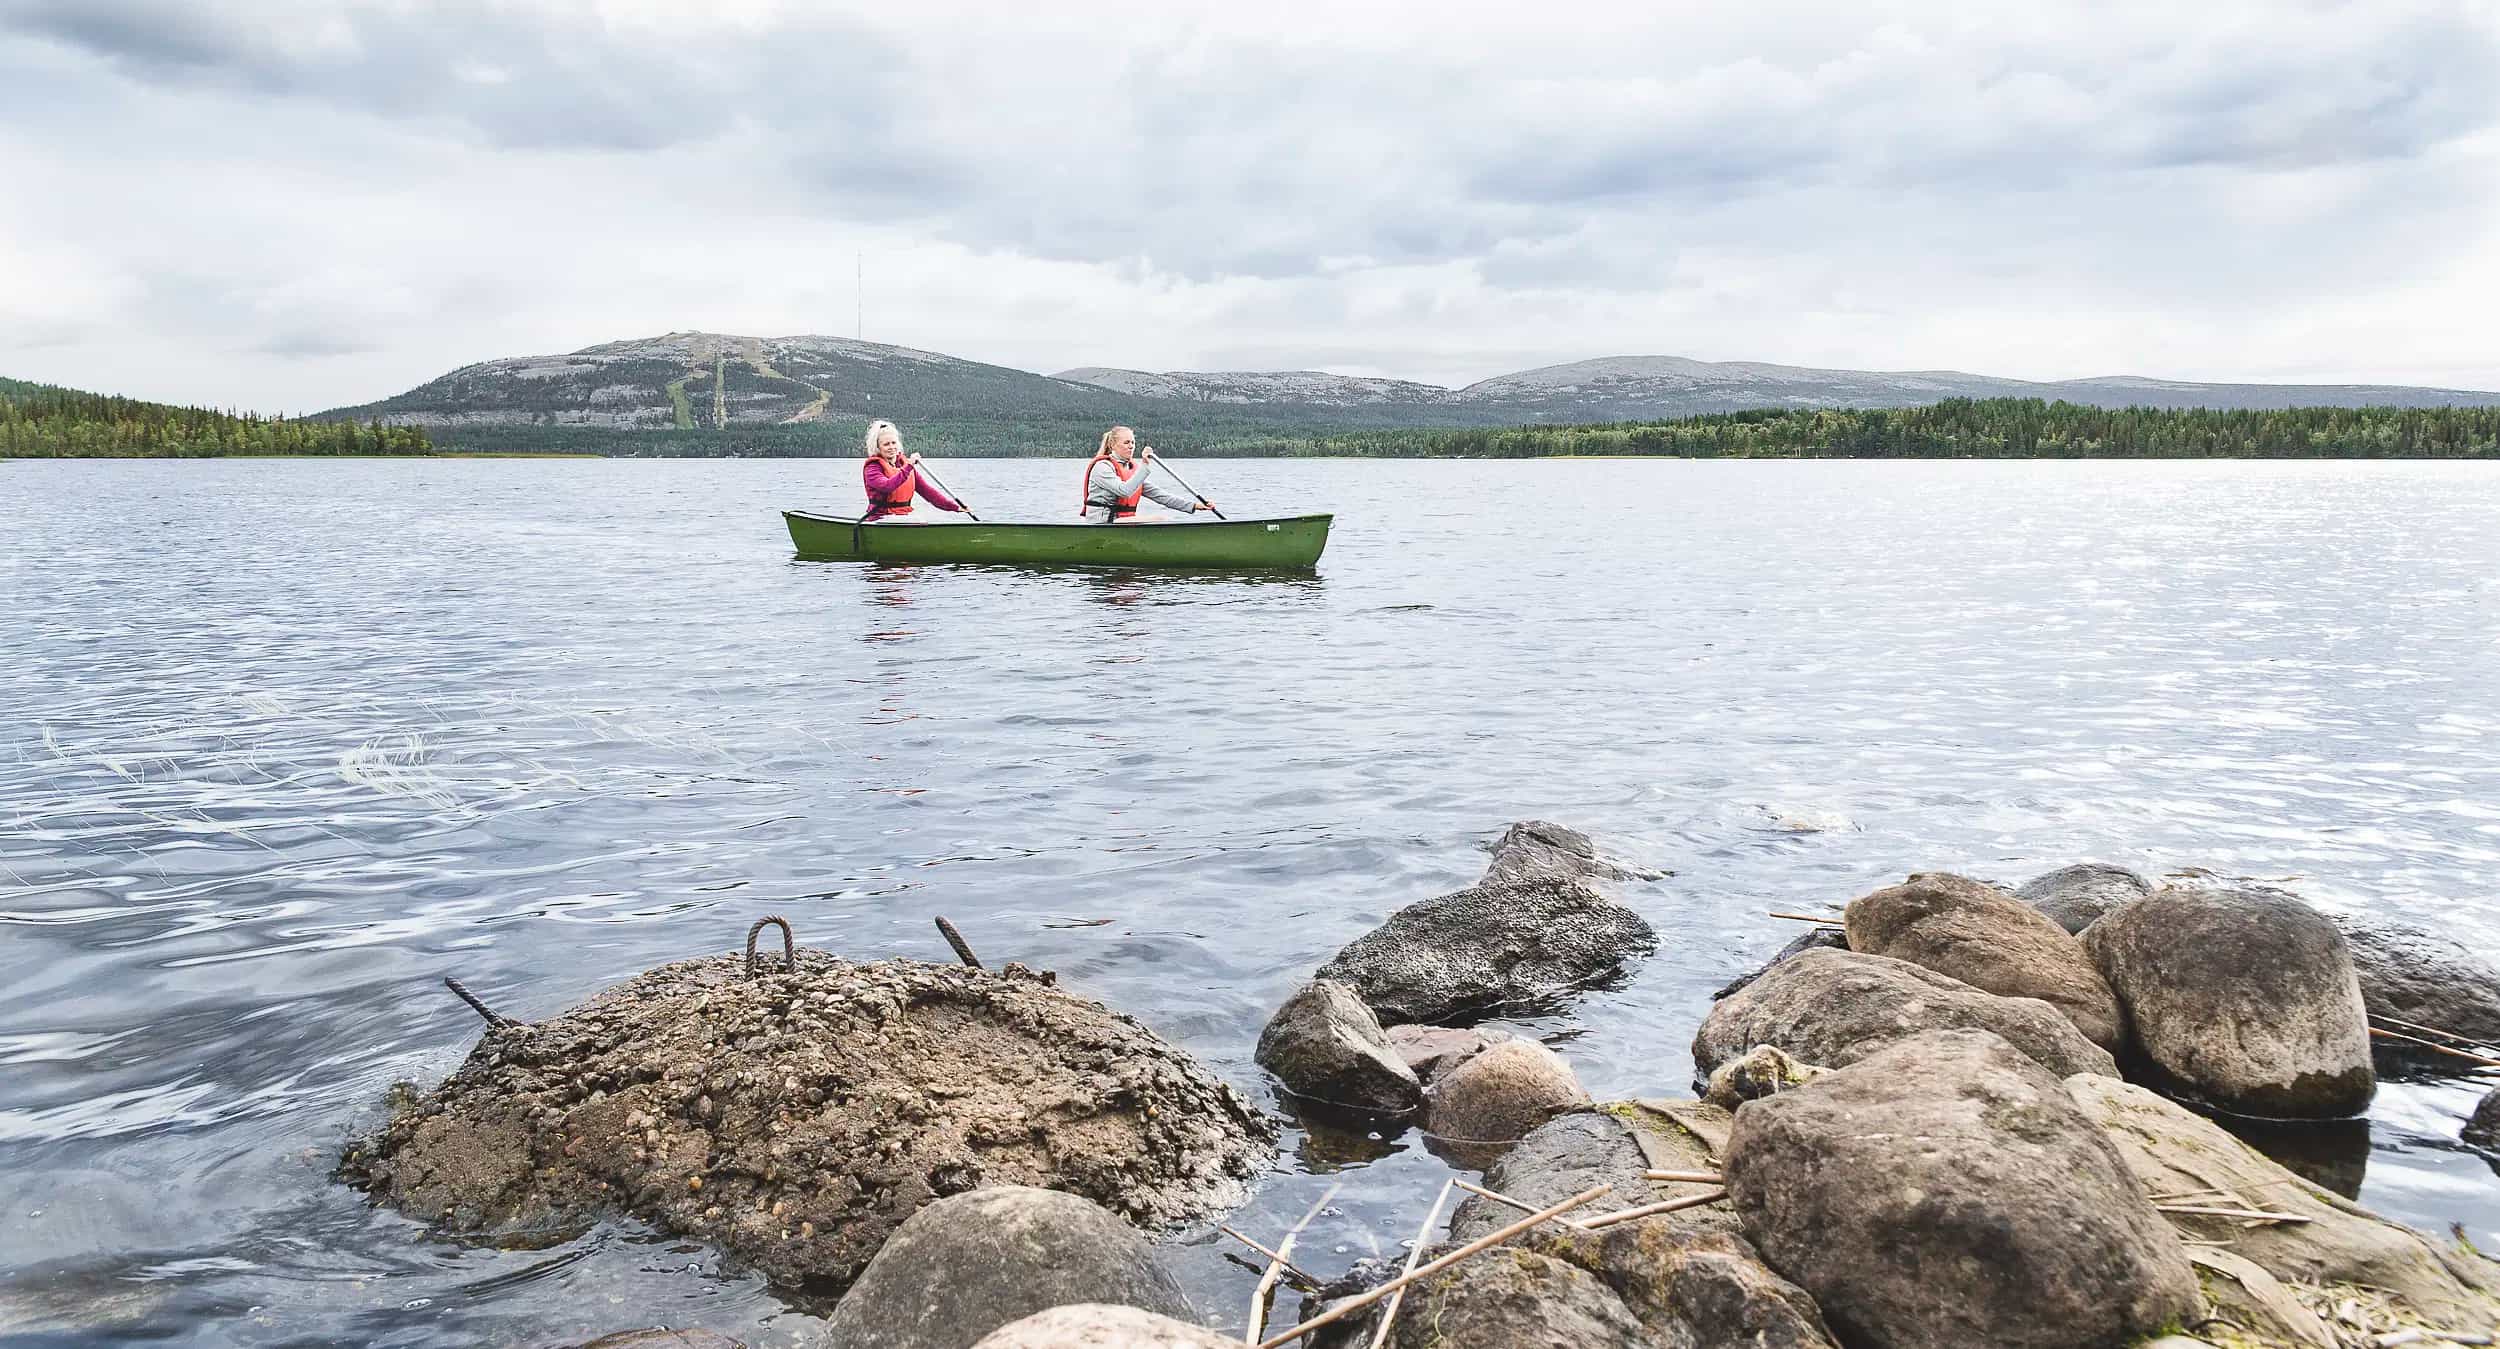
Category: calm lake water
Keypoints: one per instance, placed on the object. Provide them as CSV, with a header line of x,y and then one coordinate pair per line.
x,y
283,743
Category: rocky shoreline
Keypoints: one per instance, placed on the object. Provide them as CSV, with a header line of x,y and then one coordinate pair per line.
x,y
1948,1114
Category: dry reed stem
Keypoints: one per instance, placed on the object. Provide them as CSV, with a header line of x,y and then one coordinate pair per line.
x,y
2210,1211
1276,1267
1500,1198
1625,1215
1483,1243
1423,1238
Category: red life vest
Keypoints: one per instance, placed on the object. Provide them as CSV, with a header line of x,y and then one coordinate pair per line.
x,y
897,499
1127,505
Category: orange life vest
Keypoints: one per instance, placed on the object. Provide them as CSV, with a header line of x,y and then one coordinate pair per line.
x,y
1127,505
897,499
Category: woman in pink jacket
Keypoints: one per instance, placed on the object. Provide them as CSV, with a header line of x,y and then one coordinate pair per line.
x,y
893,478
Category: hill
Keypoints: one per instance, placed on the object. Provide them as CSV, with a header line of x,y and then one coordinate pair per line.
x,y
715,393
1625,388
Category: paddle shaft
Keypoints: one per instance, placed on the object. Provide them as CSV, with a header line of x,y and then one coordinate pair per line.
x,y
923,469
1158,462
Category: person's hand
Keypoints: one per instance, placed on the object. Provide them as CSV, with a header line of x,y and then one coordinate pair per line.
x,y
914,459
1203,505
1146,453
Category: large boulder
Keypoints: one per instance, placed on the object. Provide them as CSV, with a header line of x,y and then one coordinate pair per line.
x,y
1991,941
1478,1109
2482,1129
2423,980
1096,1325
2243,998
1647,1280
2174,1152
1543,850
968,1264
1430,1051
1832,1008
1325,1045
1946,1193
798,1114
1814,939
2075,897
1496,946
1518,1298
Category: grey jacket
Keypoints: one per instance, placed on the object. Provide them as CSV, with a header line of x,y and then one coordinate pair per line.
x,y
1103,490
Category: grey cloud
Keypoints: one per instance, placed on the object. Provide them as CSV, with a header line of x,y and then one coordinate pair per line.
x,y
498,74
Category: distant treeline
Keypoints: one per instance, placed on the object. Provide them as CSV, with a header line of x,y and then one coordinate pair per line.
x,y
1995,428
839,436
40,421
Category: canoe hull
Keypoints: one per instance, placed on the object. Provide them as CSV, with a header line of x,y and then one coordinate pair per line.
x,y
1291,543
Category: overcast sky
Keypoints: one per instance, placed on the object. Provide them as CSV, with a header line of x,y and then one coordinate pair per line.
x,y
292,206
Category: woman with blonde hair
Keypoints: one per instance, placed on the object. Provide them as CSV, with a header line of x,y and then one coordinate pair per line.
x,y
1117,477
894,478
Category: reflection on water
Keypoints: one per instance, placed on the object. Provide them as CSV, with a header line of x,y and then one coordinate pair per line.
x,y
325,732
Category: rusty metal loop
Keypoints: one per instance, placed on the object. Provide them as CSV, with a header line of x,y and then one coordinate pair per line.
x,y
963,951
493,1020
789,944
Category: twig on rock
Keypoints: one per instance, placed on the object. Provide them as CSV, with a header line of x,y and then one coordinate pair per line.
x,y
1423,1238
2210,1211
1483,1243
1277,1261
1505,1200
1826,920
1625,1215
1686,1177
2466,1040
2435,1047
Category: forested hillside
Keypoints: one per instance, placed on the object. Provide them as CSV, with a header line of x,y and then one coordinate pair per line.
x,y
2008,428
40,421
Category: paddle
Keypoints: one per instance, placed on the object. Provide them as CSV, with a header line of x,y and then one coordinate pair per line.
x,y
923,466
1202,500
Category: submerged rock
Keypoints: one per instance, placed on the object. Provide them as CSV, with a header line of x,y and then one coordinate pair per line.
x,y
970,1263
1478,1109
1492,946
660,1337
1833,1008
2483,1128
1815,939
2246,999
1762,1071
1431,1051
1946,1193
798,1118
1090,1325
2172,1151
1611,1145
2075,897
1325,1045
1542,850
1991,941
2424,980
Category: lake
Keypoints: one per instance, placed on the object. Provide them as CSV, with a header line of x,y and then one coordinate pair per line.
x,y
284,743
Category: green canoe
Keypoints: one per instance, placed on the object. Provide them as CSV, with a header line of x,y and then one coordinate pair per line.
x,y
1294,542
